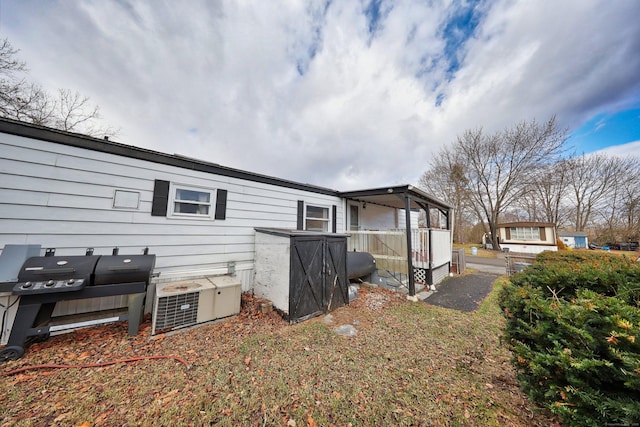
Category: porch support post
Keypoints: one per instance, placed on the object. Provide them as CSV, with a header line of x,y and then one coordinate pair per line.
x,y
428,211
407,211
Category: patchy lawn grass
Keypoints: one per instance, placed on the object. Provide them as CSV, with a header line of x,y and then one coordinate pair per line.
x,y
409,364
485,253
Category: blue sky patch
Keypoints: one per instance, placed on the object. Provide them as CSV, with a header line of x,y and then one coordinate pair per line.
x,y
458,30
372,12
605,130
302,64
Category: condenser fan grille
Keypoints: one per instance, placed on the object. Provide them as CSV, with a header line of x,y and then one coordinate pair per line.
x,y
177,311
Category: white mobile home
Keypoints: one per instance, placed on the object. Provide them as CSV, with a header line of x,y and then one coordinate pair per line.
x,y
71,192
527,237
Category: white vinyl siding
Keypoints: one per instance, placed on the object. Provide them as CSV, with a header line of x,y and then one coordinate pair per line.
x,y
376,217
63,197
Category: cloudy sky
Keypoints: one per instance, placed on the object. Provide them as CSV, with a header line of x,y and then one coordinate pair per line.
x,y
345,94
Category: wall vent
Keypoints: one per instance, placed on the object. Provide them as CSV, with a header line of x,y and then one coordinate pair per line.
x,y
177,311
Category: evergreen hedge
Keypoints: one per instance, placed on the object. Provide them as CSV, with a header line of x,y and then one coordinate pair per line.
x,y
573,326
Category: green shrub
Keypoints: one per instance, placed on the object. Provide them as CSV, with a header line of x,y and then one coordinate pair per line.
x,y
573,326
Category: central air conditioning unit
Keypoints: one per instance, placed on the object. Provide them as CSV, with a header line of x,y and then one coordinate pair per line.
x,y
182,304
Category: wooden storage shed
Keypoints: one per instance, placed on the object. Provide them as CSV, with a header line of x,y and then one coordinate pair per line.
x,y
303,273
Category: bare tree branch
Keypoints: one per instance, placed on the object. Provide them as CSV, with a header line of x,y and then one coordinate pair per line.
x,y
29,102
493,172
592,180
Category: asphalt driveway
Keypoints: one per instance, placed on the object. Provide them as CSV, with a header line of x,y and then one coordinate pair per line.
x,y
464,293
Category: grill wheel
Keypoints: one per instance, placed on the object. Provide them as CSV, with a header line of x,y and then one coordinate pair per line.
x,y
13,352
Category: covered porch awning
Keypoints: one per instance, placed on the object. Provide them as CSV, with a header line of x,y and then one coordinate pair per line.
x,y
405,197
410,199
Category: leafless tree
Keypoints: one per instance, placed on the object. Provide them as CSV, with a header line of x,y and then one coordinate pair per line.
x,y
446,180
9,64
73,111
620,211
520,174
630,198
28,102
548,189
499,166
593,184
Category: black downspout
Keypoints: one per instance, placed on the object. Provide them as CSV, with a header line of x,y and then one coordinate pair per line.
x,y
407,211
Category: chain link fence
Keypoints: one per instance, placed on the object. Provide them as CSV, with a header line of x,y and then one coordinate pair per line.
x,y
518,262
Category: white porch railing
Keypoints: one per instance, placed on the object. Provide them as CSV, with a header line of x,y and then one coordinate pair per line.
x,y
389,248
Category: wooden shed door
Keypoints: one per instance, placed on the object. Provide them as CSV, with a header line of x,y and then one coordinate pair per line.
x,y
318,276
336,286
306,292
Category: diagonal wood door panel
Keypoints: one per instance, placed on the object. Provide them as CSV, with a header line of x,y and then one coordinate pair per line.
x,y
307,278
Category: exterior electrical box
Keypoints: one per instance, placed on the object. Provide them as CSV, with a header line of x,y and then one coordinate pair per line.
x,y
227,298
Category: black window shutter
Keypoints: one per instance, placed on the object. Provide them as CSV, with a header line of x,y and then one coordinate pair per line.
x,y
334,216
221,204
300,224
160,198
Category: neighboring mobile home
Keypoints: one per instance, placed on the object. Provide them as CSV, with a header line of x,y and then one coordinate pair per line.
x,y
71,192
527,237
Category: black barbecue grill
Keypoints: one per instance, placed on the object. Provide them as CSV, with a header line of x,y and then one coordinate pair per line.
x,y
44,281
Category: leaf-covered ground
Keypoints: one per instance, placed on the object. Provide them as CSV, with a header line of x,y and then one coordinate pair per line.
x,y
409,364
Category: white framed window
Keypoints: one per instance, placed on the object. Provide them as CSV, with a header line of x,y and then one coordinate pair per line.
x,y
191,202
317,218
525,233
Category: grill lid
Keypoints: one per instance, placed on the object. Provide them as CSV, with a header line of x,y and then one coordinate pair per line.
x,y
58,267
55,274
124,269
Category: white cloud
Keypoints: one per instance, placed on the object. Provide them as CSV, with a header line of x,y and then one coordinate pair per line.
x,y
220,80
630,149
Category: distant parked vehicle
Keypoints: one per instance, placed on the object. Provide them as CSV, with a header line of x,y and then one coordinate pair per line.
x,y
623,246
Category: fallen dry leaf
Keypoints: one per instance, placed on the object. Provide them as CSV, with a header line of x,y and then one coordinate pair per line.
x,y
244,371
